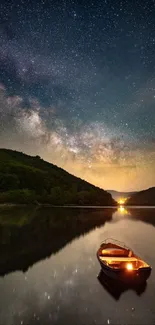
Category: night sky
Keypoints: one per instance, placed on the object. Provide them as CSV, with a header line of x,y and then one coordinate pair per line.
x,y
77,87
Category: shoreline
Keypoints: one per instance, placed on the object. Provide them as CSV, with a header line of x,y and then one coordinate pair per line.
x,y
76,206
55,206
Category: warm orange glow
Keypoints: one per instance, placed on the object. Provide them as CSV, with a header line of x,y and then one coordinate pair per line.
x,y
121,201
122,210
129,267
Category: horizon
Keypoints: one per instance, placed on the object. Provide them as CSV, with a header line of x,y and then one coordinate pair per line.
x,y
77,88
113,190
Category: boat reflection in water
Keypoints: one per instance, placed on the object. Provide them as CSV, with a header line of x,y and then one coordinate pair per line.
x,y
116,288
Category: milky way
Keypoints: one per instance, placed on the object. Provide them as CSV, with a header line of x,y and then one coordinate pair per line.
x,y
77,87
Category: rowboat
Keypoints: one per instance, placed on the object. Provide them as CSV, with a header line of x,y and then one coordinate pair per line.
x,y
119,262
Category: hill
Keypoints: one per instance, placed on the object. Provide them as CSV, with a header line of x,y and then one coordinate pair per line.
x,y
117,195
146,197
28,179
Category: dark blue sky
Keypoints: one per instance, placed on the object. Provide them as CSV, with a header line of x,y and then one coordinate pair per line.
x,y
86,71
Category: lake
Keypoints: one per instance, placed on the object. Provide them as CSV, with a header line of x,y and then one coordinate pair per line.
x,y
49,273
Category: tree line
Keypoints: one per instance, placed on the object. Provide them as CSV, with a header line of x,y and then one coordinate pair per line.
x,y
27,179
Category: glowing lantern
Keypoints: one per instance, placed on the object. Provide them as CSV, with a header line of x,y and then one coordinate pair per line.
x,y
129,267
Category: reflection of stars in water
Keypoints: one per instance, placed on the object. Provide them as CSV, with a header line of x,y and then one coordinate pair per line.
x,y
36,317
69,282
47,295
55,274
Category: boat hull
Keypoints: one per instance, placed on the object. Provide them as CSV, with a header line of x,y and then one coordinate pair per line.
x,y
136,276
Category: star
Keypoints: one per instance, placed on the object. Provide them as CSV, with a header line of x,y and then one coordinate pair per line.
x,y
84,78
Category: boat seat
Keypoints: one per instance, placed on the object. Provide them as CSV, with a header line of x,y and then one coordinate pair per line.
x,y
118,259
108,252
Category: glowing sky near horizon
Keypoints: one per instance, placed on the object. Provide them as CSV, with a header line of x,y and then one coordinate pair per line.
x,y
77,87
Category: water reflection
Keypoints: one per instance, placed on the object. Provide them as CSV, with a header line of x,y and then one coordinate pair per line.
x,y
145,214
56,248
120,213
30,235
122,210
116,289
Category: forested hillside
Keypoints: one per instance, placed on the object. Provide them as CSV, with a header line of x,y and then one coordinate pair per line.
x,y
146,197
27,179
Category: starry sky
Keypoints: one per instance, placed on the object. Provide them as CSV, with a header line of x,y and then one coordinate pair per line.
x,y
77,87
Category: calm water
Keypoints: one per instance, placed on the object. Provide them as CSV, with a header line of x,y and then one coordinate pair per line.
x,y
49,271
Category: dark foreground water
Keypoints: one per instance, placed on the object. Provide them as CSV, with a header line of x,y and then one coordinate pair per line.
x,y
49,271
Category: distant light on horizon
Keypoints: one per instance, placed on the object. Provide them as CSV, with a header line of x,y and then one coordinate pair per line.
x,y
122,201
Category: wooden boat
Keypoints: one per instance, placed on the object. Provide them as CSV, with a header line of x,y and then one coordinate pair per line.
x,y
119,262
